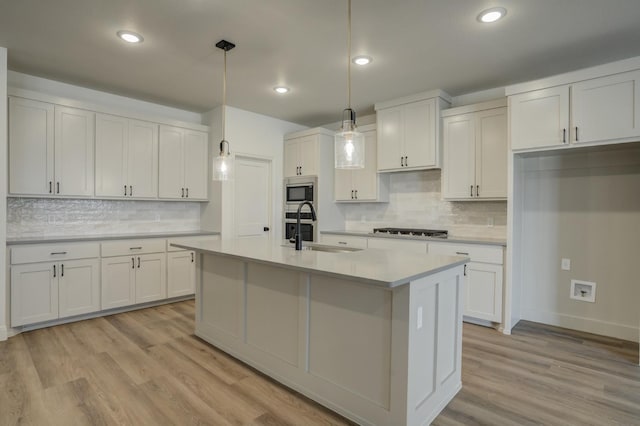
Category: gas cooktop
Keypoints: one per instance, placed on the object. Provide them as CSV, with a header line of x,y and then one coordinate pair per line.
x,y
434,233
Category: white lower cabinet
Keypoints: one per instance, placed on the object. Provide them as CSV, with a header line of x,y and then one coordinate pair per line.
x,y
181,273
132,279
34,293
78,287
344,240
484,278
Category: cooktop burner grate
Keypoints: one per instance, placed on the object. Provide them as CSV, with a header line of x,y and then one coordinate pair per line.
x,y
434,233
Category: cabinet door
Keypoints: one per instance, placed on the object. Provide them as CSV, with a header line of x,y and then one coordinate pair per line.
x,y
483,292
491,154
390,135
343,185
79,287
291,158
606,108
30,147
540,118
151,277
181,273
420,134
171,163
118,281
142,164
459,156
308,155
34,293
195,165
74,147
111,155
365,180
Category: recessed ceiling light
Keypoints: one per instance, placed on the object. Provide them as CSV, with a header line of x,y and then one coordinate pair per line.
x,y
130,36
362,60
492,15
281,89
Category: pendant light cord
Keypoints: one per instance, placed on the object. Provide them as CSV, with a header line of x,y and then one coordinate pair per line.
x,y
224,95
349,55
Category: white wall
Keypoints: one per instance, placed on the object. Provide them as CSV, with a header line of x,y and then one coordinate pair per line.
x,y
4,291
584,206
249,134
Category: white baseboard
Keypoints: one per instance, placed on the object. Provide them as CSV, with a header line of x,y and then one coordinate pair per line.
x,y
588,325
3,333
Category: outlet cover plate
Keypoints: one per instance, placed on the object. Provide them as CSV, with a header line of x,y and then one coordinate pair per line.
x,y
565,264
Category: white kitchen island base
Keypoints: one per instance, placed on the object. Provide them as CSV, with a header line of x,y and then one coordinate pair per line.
x,y
377,355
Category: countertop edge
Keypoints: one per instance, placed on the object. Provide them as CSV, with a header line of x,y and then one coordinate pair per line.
x,y
471,240
108,237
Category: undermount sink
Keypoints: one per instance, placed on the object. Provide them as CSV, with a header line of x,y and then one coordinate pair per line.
x,y
328,249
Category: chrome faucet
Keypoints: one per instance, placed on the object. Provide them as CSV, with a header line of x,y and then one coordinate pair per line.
x,y
298,236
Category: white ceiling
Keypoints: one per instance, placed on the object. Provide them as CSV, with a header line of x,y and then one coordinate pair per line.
x,y
417,45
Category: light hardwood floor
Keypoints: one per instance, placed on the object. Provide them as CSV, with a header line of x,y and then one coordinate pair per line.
x,y
146,368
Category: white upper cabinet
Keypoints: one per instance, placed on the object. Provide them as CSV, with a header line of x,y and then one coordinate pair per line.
x,y
409,132
30,147
183,164
589,110
126,157
301,156
362,184
50,149
73,151
475,152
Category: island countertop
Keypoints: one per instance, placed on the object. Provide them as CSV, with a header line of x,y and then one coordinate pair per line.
x,y
385,268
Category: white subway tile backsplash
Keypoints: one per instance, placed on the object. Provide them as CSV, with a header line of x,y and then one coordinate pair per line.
x,y
33,217
415,201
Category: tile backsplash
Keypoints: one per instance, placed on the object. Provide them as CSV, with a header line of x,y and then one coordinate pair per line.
x,y
34,217
415,202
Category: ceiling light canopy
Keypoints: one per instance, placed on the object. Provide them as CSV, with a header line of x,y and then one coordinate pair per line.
x,y
348,141
281,89
362,60
492,15
223,163
130,36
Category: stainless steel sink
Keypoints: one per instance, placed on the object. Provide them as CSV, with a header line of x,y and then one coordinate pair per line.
x,y
328,249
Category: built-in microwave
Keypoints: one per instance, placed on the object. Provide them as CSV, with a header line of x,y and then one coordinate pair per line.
x,y
297,190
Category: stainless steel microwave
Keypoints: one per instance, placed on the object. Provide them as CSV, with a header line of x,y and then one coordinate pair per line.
x,y
297,190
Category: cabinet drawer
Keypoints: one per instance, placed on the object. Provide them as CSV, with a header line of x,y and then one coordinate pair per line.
x,y
345,240
477,253
397,244
128,247
53,252
189,240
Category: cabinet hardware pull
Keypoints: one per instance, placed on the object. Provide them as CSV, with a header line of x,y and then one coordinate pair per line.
x,y
352,194
57,187
564,135
462,253
125,190
192,257
182,192
406,161
401,161
471,191
62,269
135,248
187,193
138,262
356,194
130,190
53,253
133,263
477,190
465,269
50,187
54,271
576,133
342,242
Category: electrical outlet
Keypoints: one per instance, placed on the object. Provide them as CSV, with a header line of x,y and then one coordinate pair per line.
x,y
419,325
565,264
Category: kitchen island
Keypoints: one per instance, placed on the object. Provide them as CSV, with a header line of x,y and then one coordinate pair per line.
x,y
372,334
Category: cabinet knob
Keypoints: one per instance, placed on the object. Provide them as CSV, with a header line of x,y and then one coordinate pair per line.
x,y
265,229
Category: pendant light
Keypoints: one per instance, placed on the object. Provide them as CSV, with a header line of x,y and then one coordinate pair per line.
x,y
349,142
223,163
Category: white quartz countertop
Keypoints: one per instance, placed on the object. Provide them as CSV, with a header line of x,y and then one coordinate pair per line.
x,y
103,237
385,268
450,239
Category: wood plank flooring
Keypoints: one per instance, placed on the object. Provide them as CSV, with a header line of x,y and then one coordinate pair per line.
x,y
146,368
